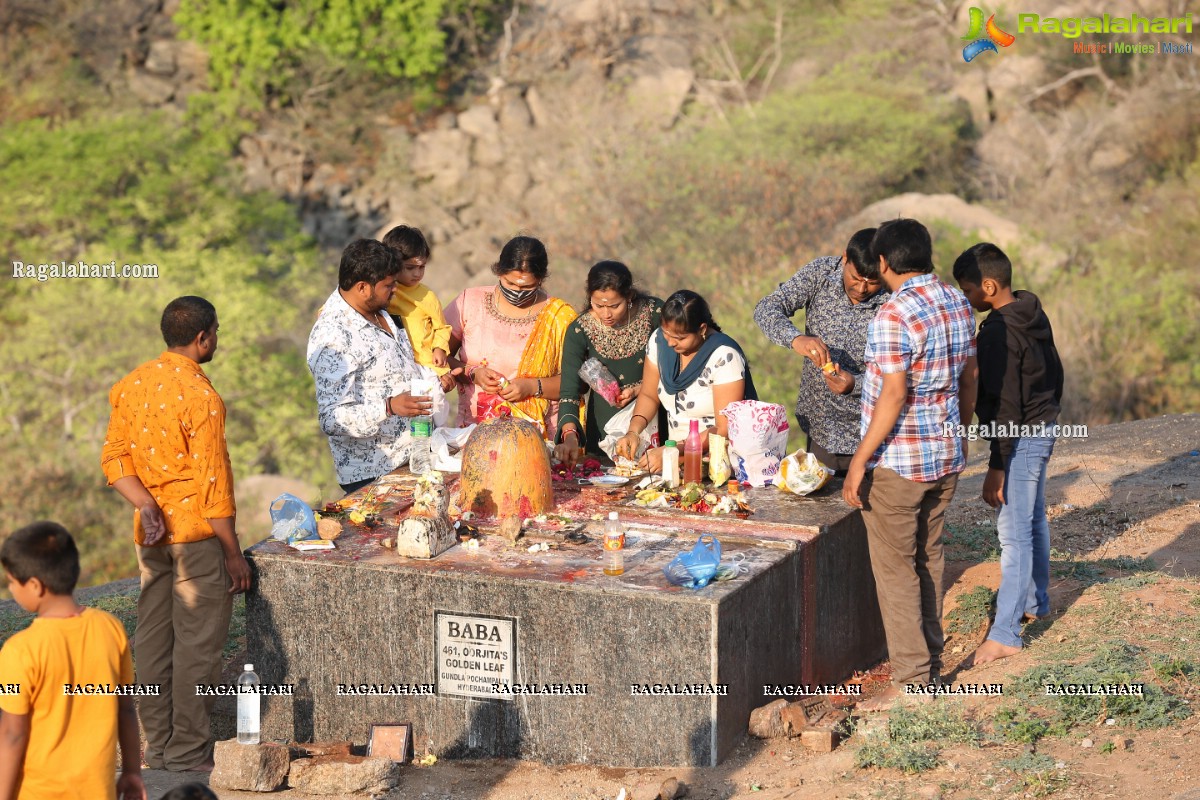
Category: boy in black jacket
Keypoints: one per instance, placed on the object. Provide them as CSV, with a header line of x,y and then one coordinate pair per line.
x,y
1020,389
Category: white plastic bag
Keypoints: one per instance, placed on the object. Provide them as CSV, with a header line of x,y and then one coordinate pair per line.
x,y
758,434
618,426
428,385
801,473
439,447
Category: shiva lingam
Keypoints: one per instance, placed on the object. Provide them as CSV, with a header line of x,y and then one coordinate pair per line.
x,y
506,474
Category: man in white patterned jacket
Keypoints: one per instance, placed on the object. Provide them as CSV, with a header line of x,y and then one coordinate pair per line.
x,y
364,366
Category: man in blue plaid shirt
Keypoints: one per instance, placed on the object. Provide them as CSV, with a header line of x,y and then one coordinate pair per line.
x,y
920,375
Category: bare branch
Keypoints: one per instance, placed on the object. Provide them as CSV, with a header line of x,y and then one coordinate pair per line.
x,y
778,47
506,48
1074,75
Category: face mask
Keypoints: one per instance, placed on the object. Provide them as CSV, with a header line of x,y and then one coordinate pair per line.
x,y
519,298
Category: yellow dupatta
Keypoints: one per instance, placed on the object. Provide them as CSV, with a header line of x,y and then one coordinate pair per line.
x,y
542,356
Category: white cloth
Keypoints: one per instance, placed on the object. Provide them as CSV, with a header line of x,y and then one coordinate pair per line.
x,y
725,365
439,447
356,367
618,426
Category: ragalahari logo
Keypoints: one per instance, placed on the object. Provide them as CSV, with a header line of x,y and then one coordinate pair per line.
x,y
979,42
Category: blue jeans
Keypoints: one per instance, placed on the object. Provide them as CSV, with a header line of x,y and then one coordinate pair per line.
x,y
1024,540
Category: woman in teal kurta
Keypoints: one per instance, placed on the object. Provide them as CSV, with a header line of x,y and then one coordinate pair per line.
x,y
614,330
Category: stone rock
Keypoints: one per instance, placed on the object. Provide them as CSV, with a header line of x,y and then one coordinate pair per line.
x,y
510,528
515,116
479,121
426,531
410,206
487,153
191,61
443,155
766,722
669,789
475,250
819,740
313,749
972,88
249,767
340,775
1012,78
513,184
824,735
802,713
646,53
424,538
161,58
323,184
537,108
946,207
579,12
1109,157
332,226
288,174
672,789
660,76
660,96
149,89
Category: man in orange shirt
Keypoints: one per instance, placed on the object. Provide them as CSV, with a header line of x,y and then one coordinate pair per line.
x,y
165,453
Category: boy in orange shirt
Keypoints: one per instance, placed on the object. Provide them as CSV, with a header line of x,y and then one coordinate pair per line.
x,y
55,742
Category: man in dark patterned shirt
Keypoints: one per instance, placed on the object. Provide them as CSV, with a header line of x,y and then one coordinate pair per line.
x,y
838,304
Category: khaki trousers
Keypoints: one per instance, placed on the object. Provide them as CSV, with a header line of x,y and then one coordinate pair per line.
x,y
183,622
904,532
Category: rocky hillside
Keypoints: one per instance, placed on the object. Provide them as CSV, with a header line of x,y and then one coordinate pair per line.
x,y
714,145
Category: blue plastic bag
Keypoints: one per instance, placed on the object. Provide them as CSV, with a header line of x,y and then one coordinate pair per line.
x,y
694,568
292,520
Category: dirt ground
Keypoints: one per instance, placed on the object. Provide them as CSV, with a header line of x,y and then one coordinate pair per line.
x,y
1127,492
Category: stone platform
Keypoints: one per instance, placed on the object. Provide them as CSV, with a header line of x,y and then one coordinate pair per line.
x,y
334,624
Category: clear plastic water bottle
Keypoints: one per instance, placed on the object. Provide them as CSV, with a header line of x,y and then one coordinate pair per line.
x,y
419,458
248,706
614,545
422,387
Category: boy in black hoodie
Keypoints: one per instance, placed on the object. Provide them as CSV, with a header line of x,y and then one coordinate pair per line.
x,y
1020,389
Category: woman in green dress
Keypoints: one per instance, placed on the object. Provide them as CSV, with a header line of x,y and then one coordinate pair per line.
x,y
614,330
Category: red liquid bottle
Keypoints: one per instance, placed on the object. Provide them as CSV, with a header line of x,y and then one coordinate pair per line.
x,y
693,454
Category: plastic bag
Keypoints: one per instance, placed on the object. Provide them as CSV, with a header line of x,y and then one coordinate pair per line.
x,y
292,520
429,386
694,568
718,459
490,406
439,447
618,426
801,473
758,434
601,381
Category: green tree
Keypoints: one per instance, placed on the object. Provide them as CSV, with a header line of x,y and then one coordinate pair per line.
x,y
258,47
139,190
